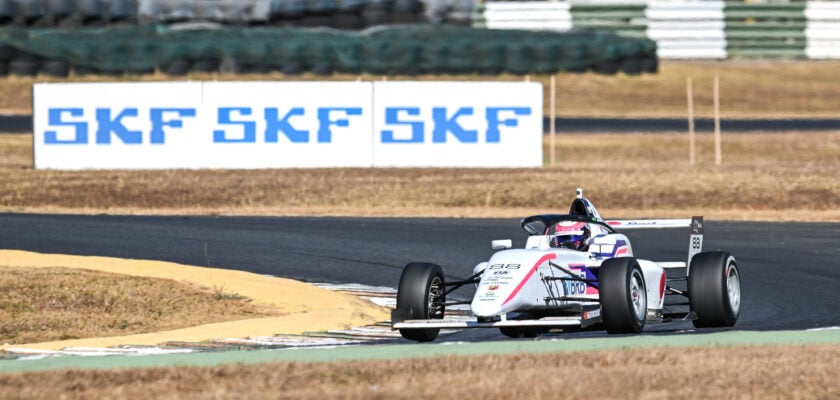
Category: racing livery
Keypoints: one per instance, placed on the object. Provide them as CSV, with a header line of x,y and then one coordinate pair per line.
x,y
575,271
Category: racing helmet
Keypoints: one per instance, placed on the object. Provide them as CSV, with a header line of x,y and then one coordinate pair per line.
x,y
571,235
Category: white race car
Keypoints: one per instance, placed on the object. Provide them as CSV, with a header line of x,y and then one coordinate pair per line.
x,y
576,271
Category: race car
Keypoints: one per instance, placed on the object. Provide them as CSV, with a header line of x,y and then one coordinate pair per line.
x,y
576,271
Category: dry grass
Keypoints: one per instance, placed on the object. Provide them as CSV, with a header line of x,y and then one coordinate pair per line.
x,y
748,89
761,372
625,175
38,305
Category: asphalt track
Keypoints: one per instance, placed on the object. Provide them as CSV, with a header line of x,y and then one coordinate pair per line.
x,y
23,124
790,273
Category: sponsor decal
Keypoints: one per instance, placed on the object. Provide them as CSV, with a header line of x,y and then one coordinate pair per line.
x,y
163,125
501,272
505,266
528,275
575,288
619,249
493,287
592,314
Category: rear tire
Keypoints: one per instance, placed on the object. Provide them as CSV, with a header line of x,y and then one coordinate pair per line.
x,y
714,289
623,295
421,296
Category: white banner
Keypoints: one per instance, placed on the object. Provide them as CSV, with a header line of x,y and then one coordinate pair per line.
x,y
287,125
457,124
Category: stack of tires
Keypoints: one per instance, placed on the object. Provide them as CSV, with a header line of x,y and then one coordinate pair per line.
x,y
339,14
393,50
67,13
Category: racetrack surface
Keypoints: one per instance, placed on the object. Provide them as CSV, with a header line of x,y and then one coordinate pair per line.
x,y
789,271
23,124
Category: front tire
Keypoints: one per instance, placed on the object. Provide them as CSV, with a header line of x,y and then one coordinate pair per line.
x,y
714,289
623,295
421,296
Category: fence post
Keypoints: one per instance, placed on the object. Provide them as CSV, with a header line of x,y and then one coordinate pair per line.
x,y
692,150
717,121
552,115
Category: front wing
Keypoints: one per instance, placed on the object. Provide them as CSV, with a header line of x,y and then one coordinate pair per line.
x,y
590,316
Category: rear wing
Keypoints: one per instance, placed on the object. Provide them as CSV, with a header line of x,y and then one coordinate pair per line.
x,y
695,238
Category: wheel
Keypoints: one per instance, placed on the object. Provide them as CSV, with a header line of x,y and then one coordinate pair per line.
x,y
714,289
631,66
56,68
81,70
178,68
650,65
421,296
322,69
623,295
7,53
609,67
206,65
24,65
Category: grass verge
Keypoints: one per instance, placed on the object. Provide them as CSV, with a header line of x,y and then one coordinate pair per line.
x,y
771,372
48,304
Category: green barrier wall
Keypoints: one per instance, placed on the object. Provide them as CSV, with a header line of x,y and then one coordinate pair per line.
x,y
401,49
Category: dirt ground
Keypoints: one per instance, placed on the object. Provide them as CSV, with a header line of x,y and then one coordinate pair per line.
x,y
89,306
50,304
789,176
747,88
770,176
755,372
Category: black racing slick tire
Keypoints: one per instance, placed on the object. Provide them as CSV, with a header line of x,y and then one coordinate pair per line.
x,y
714,289
421,296
623,295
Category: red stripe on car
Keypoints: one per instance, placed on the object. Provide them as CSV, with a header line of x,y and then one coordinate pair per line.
x,y
528,276
662,285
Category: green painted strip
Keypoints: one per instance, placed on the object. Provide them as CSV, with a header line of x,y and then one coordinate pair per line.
x,y
766,52
765,30
751,34
793,26
603,13
381,352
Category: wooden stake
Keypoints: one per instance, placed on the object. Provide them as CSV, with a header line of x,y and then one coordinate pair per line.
x,y
692,149
552,116
717,121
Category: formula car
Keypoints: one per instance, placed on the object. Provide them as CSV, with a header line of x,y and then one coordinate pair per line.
x,y
576,271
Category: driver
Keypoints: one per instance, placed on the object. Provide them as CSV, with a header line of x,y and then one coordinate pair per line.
x,y
571,235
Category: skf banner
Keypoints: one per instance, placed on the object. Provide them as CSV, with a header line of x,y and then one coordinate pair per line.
x,y
161,125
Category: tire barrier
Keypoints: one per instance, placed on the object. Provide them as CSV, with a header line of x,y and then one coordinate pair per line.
x,y
688,29
393,50
339,14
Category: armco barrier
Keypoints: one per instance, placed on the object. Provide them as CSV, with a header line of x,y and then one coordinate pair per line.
x,y
822,31
687,30
532,15
692,29
165,125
